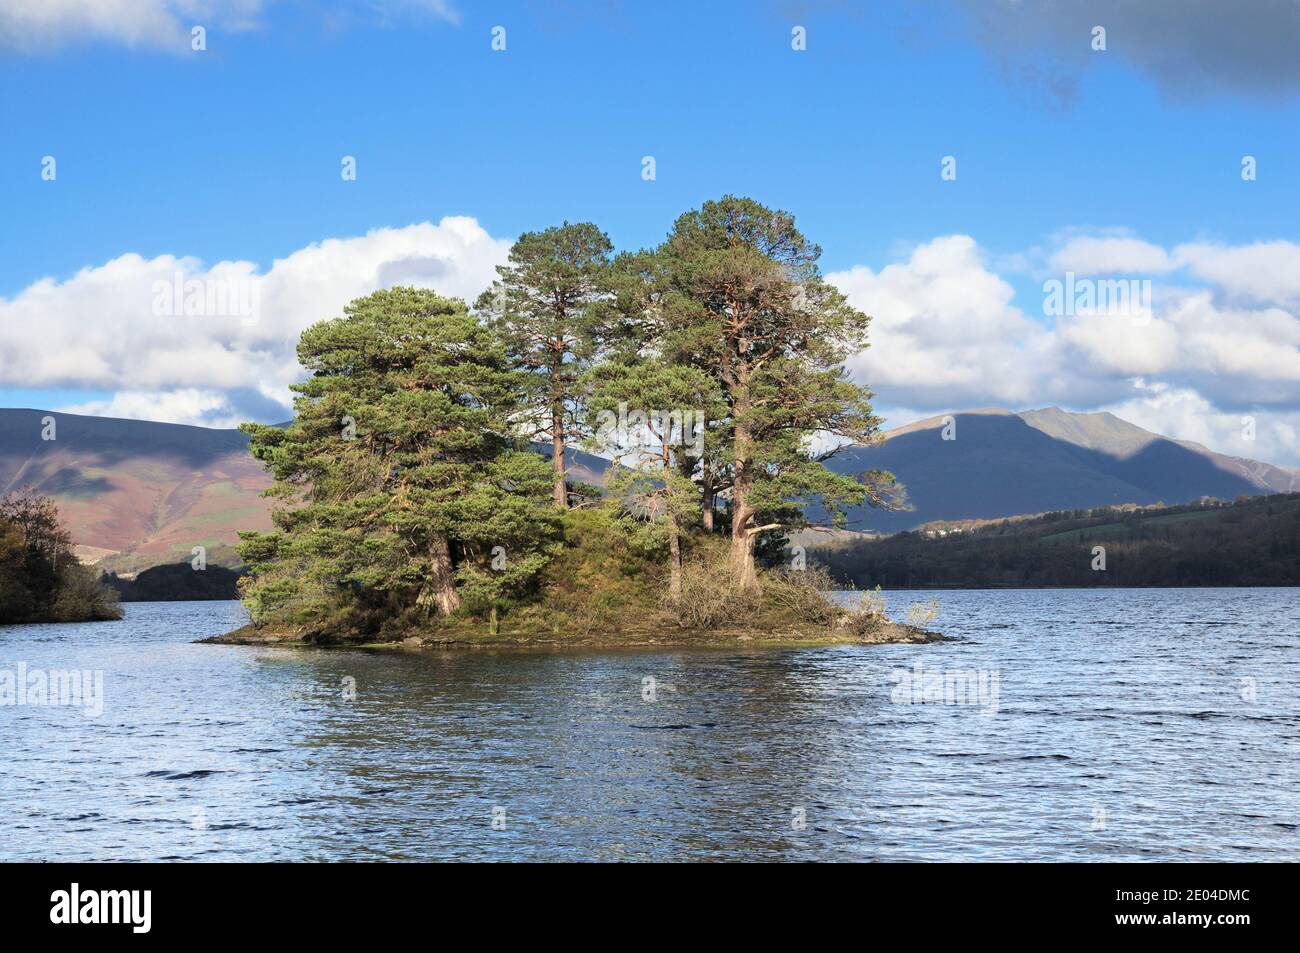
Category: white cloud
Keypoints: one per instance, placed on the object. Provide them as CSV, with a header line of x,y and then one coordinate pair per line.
x,y
947,334
1186,415
1264,271
944,330
1118,345
42,25
202,408
1207,350
101,330
1096,255
45,24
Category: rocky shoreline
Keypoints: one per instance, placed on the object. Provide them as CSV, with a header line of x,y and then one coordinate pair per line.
x,y
886,633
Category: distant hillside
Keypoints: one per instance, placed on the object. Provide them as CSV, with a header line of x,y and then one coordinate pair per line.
x,y
134,493
1255,542
1003,464
1135,449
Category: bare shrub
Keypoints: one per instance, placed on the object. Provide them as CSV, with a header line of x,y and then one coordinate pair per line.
x,y
867,614
805,593
709,596
921,614
82,596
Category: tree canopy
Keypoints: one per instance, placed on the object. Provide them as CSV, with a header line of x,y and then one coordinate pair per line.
x,y
746,302
544,306
400,473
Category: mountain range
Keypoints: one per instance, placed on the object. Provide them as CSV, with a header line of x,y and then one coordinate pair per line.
x,y
136,494
998,463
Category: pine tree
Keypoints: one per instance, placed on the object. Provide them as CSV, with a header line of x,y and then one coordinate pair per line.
x,y
636,328
651,415
399,472
545,307
746,301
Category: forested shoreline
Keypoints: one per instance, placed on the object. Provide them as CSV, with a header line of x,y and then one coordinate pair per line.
x,y
408,500
1254,541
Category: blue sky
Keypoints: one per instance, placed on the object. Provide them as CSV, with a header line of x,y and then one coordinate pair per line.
x,y
233,154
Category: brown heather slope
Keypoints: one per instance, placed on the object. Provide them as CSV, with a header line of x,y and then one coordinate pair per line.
x,y
135,493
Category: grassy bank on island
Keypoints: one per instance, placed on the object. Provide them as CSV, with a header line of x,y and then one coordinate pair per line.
x,y
605,588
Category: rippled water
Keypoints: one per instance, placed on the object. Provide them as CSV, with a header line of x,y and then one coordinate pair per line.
x,y
1127,725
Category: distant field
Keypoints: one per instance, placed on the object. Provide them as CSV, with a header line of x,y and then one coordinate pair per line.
x,y
1122,530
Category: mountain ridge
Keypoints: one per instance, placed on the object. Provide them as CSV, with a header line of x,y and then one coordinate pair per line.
x,y
1002,463
139,493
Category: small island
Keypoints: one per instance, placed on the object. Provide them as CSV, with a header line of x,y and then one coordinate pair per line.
x,y
423,491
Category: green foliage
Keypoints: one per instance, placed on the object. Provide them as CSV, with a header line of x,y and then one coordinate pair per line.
x,y
544,304
650,412
609,569
546,309
743,300
400,471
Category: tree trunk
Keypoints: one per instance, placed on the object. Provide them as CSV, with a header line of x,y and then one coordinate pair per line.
x,y
743,572
557,457
439,591
742,541
674,560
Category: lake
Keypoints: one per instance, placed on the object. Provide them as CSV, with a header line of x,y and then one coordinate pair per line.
x,y
1073,725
